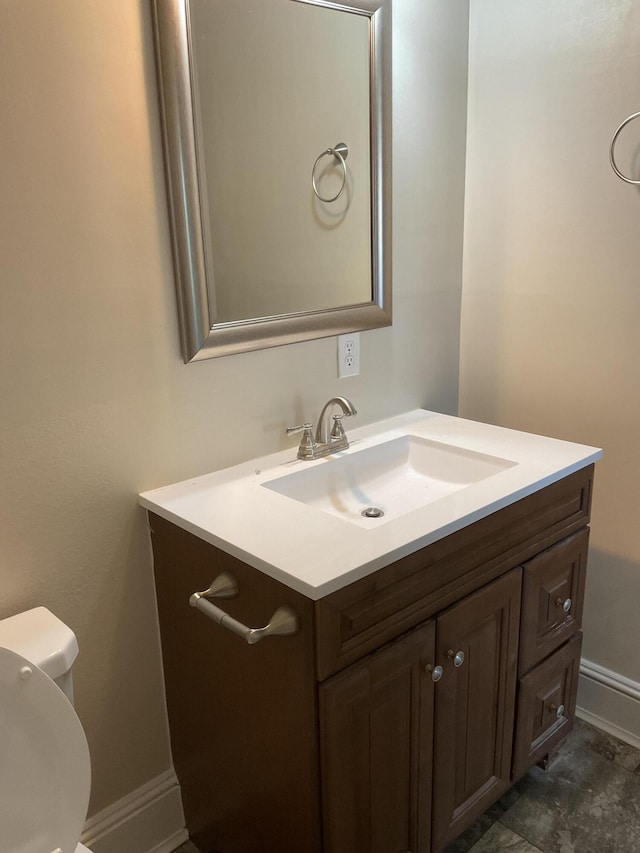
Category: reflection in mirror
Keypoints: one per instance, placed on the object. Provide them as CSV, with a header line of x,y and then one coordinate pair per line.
x,y
275,247
276,125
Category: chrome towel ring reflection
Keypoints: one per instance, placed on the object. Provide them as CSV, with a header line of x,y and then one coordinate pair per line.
x,y
340,152
612,158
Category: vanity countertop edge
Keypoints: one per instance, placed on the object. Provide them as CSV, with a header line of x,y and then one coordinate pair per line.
x,y
317,554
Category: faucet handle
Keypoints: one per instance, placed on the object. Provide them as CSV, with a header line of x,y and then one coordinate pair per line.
x,y
337,430
299,428
307,448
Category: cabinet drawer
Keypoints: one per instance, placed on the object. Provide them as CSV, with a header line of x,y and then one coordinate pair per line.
x,y
546,705
552,600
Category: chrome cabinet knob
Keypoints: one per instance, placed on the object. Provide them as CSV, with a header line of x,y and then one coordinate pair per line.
x,y
559,709
565,603
436,671
456,657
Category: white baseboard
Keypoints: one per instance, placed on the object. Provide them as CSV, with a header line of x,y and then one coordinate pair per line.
x,y
148,820
610,702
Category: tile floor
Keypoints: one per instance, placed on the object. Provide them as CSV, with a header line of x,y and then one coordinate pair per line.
x,y
588,801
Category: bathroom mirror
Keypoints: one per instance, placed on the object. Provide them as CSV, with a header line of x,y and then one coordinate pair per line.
x,y
277,133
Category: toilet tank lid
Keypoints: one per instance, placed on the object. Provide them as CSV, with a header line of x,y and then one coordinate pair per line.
x,y
42,638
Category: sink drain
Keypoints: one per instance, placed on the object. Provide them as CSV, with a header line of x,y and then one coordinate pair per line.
x,y
372,512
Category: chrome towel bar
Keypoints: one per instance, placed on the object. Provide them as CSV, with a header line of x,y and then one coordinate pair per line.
x,y
283,623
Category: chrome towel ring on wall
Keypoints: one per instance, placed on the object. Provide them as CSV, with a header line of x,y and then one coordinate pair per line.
x,y
340,152
612,158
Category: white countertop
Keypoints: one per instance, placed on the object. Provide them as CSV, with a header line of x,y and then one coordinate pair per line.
x,y
317,553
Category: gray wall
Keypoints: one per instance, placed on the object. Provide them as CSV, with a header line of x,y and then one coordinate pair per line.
x,y
551,299
96,403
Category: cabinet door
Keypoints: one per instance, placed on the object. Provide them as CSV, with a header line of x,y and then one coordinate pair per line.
x,y
377,731
475,705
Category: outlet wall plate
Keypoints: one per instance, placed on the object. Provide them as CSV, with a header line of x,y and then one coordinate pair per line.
x,y
348,355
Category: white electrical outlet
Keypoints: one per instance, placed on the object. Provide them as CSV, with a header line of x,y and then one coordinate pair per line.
x,y
348,355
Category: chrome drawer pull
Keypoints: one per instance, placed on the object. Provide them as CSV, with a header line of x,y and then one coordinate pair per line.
x,y
564,603
559,710
283,623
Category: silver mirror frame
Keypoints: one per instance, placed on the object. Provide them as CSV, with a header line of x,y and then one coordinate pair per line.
x,y
201,336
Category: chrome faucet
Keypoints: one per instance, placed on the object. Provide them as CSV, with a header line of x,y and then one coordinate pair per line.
x,y
329,438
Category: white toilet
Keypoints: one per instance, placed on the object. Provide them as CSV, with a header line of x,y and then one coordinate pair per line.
x,y
45,773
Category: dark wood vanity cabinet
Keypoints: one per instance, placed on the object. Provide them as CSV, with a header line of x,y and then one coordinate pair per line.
x,y
394,740
407,703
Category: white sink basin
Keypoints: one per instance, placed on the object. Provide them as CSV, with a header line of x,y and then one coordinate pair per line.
x,y
387,480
